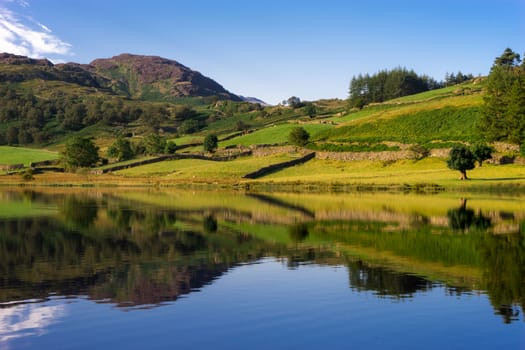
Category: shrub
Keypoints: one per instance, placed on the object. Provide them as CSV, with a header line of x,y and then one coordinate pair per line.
x,y
170,148
210,143
418,152
298,136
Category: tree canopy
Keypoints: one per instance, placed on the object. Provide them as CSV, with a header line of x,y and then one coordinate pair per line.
x,y
121,150
210,143
503,117
298,136
461,159
80,152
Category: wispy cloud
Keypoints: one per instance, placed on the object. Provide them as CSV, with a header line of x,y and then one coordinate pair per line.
x,y
28,38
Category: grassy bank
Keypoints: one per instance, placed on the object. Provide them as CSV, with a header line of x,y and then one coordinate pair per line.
x,y
317,176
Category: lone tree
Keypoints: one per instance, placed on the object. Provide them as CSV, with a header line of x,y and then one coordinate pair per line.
x,y
298,136
121,150
461,159
482,152
80,152
210,143
154,144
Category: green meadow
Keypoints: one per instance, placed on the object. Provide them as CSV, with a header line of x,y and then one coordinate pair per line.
x,y
21,155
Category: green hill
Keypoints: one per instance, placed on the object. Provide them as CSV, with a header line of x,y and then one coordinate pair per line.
x,y
448,114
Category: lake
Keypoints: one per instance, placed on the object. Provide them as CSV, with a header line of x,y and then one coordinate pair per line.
x,y
134,269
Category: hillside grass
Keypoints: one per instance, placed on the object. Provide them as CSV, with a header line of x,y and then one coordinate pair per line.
x,y
22,155
203,170
419,127
449,113
277,134
426,171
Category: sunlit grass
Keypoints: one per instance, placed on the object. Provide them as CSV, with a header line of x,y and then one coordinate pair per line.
x,y
277,134
21,155
429,171
203,170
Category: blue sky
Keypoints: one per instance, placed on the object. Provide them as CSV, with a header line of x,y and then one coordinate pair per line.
x,y
273,49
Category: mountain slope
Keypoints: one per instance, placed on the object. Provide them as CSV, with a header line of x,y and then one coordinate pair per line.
x,y
139,77
157,78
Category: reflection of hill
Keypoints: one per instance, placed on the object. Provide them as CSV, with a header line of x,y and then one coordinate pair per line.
x,y
133,253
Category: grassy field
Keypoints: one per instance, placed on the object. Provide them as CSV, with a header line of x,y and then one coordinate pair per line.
x,y
203,170
427,171
315,175
277,134
21,155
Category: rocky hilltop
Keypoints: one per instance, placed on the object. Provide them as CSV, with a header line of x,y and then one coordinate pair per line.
x,y
153,77
135,76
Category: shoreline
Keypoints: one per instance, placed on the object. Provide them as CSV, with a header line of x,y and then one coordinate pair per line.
x,y
70,180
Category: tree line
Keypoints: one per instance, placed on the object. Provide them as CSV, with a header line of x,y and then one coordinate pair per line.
x,y
388,84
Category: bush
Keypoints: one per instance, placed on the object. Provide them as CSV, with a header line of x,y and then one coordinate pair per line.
x,y
121,150
153,144
27,175
418,152
210,143
170,148
298,136
482,152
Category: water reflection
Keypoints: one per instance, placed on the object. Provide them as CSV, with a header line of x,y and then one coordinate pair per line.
x,y
23,320
139,251
463,219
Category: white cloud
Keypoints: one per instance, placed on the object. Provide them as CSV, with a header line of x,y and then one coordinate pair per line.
x,y
26,320
21,38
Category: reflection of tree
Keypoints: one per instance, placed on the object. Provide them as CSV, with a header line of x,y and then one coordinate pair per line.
x,y
298,232
300,256
504,273
79,211
383,281
463,219
138,284
133,256
210,224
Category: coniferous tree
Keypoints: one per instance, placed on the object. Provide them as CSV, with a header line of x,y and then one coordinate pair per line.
x,y
503,117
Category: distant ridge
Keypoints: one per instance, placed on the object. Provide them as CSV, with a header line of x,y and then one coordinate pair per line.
x,y
135,76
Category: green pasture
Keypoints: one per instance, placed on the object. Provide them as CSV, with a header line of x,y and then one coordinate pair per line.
x,y
277,134
21,155
427,171
203,170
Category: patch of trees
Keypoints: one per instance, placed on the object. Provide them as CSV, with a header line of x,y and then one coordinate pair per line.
x,y
503,117
388,84
32,119
458,78
80,152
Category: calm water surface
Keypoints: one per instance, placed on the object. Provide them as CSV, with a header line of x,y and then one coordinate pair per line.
x,y
149,269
